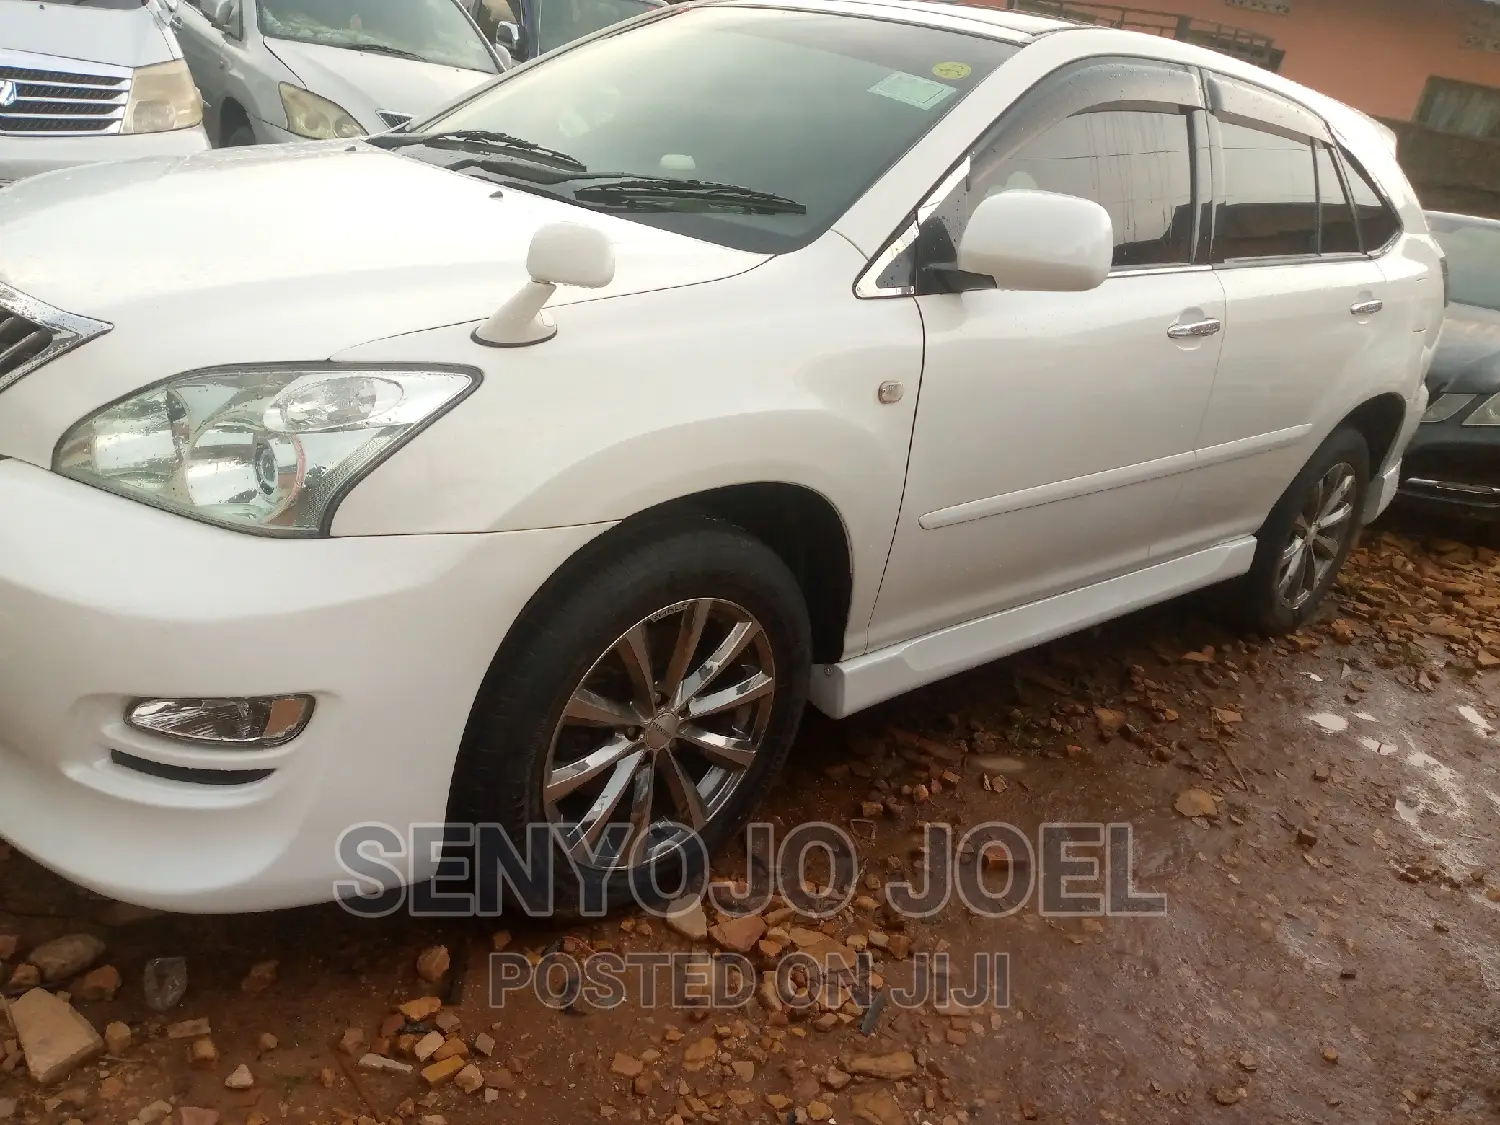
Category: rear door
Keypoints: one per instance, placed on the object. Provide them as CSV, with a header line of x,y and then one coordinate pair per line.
x,y
1306,325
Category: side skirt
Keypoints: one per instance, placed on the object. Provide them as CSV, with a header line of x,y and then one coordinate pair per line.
x,y
852,685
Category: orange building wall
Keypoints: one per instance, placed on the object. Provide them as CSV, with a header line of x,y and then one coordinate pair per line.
x,y
1374,54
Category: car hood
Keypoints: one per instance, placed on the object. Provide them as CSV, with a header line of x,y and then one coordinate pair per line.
x,y
1468,355
363,83
278,253
120,37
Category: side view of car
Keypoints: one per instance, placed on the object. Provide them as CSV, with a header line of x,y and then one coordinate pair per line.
x,y
286,70
544,461
1453,462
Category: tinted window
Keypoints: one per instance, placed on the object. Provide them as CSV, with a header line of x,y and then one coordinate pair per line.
x,y
1340,236
435,31
1136,164
1378,224
1271,195
811,107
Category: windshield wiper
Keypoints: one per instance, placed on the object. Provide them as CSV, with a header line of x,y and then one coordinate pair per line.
x,y
485,141
661,193
383,49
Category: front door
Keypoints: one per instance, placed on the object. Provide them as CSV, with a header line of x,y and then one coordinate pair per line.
x,y
1053,429
203,51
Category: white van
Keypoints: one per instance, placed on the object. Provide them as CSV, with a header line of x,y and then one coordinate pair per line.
x,y
89,80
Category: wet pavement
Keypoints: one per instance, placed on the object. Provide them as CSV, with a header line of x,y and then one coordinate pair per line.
x,y
1329,952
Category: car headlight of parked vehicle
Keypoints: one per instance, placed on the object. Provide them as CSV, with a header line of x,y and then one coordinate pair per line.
x,y
162,98
317,118
1488,413
1445,407
268,449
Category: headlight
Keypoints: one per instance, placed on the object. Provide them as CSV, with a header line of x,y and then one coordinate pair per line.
x,y
317,118
162,98
269,449
1487,415
1446,407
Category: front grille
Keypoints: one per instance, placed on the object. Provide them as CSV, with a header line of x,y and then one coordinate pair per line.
x,y
33,333
60,97
188,775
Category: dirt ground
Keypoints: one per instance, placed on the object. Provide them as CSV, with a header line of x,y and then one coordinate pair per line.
x,y
1330,950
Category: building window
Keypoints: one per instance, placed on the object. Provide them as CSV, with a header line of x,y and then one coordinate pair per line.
x,y
1483,33
1462,108
1275,7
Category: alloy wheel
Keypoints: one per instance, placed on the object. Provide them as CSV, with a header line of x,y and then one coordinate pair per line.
x,y
1319,533
660,733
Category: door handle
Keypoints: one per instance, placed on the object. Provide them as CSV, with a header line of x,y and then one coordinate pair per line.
x,y
176,22
1367,308
1196,330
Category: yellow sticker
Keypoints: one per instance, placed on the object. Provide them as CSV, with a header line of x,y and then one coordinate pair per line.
x,y
952,70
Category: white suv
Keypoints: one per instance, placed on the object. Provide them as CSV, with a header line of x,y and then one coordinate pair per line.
x,y
538,464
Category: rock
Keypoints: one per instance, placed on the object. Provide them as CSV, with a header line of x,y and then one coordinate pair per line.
x,y
484,1044
260,977
1330,1055
440,1072
53,1036
447,1022
626,1066
156,1111
698,1053
25,976
189,1029
451,1049
1307,837
203,1054
1226,1096
9,943
469,1079
433,963
117,1038
897,1064
428,1045
779,1102
1203,656
819,1111
1322,773
878,1108
421,1009
267,1042
1196,802
687,918
100,985
501,1079
240,1078
743,1069
500,941
66,956
164,980
1109,721
995,763
7,1108
1248,1061
739,935
191,1115
352,1043
380,1062
835,1079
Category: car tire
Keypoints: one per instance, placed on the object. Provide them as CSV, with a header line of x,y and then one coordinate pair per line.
x,y
568,688
1307,537
240,136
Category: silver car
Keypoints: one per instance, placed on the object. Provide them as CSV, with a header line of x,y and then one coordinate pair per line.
x,y
286,70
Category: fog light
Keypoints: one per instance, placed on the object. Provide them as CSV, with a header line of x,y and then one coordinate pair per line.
x,y
237,724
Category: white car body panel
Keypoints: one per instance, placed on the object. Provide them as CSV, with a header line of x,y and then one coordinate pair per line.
x,y
1007,467
62,38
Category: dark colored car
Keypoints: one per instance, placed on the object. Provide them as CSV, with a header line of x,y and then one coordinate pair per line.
x,y
1453,463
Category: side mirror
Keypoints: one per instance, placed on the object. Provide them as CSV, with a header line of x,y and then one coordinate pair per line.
x,y
508,36
560,254
218,11
1040,242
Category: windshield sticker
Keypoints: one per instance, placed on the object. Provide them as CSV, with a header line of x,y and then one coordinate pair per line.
x,y
952,70
923,93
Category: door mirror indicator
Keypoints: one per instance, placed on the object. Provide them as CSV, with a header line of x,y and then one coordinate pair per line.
x,y
1039,241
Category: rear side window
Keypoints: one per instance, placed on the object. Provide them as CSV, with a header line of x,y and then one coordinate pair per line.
x,y
1270,207
1137,164
1340,235
1378,224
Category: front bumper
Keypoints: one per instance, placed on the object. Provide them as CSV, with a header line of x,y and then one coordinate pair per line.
x,y
30,156
103,600
1454,469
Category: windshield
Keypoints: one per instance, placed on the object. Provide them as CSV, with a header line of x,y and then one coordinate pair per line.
x,y
1473,250
808,107
435,31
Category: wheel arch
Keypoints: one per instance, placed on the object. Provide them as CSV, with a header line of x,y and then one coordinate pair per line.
x,y
1380,420
231,115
